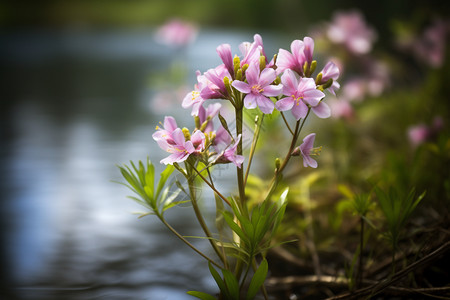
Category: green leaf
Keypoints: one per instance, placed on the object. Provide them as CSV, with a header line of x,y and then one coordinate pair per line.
x,y
163,178
258,280
217,278
201,295
235,227
232,284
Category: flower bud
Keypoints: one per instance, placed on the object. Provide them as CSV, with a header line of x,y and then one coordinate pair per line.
x,y
197,122
262,62
239,74
319,78
277,163
327,84
187,134
226,82
312,67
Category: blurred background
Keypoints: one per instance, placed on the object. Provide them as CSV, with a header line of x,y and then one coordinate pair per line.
x,y
84,83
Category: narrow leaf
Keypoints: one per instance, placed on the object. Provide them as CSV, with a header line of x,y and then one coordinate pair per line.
x,y
201,295
258,280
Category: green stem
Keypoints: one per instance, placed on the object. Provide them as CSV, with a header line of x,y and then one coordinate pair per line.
x,y
361,245
240,171
298,128
186,241
253,148
211,185
198,213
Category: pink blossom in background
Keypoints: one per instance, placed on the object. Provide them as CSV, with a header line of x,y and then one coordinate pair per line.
x,y
176,33
354,90
418,134
430,47
350,29
340,109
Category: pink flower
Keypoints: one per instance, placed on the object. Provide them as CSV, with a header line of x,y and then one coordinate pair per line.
x,y
301,94
176,33
229,155
225,55
179,148
208,114
350,29
305,149
213,86
330,71
258,88
418,134
194,99
301,52
165,133
341,109
430,47
252,51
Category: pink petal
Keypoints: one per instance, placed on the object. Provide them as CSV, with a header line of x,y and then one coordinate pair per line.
x,y
308,143
265,104
299,110
290,83
322,110
225,55
308,161
250,101
312,97
252,74
267,76
170,124
272,90
284,104
241,86
309,48
178,137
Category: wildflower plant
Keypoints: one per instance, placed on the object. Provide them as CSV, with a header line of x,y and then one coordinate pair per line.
x,y
252,81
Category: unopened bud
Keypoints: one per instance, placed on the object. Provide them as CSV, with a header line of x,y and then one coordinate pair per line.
x,y
187,134
239,74
226,82
244,68
204,124
319,78
277,81
277,163
197,122
327,84
312,67
262,62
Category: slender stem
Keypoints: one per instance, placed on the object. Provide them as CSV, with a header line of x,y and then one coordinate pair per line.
x,y
286,122
253,148
298,128
225,262
199,215
186,241
240,171
211,185
361,245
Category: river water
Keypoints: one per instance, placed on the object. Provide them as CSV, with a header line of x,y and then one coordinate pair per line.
x,y
75,103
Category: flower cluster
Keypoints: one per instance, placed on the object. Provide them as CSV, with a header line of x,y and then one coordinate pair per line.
x,y
251,80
